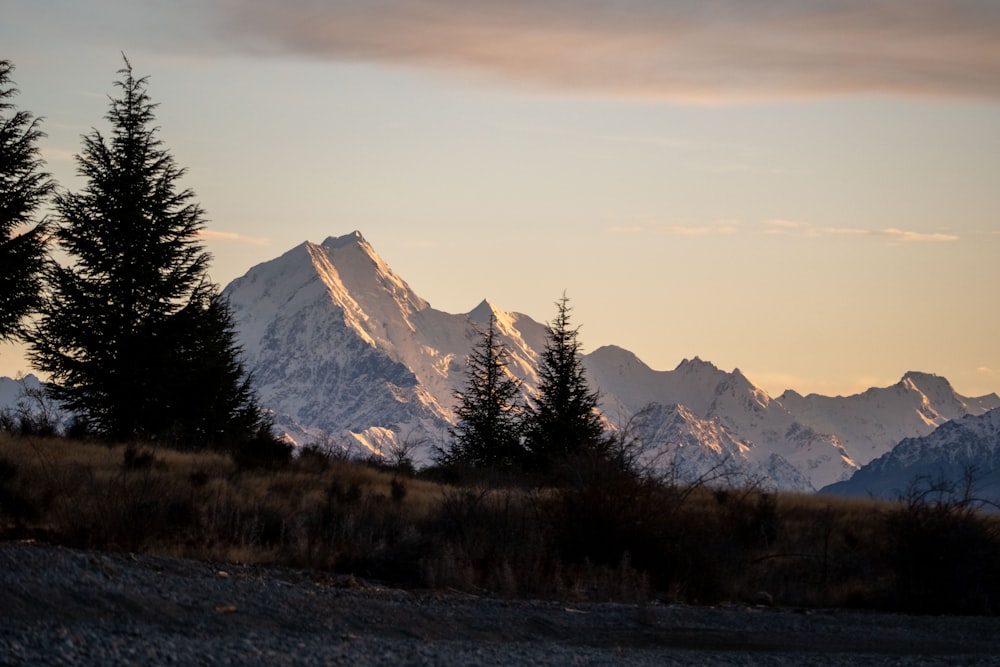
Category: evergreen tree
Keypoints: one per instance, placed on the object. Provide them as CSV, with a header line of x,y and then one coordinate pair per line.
x,y
488,432
205,395
564,421
23,188
134,339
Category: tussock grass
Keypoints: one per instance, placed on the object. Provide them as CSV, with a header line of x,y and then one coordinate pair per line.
x,y
603,535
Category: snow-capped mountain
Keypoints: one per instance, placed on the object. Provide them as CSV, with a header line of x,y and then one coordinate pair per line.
x,y
917,404
824,438
772,436
343,349
24,398
18,391
675,442
970,443
346,354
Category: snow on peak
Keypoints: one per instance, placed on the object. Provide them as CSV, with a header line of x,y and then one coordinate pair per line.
x,y
506,323
481,313
696,365
12,390
949,453
618,356
928,384
347,240
350,263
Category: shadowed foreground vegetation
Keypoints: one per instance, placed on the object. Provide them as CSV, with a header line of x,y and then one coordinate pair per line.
x,y
601,535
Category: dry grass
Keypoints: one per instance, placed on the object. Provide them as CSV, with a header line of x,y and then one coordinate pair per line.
x,y
609,536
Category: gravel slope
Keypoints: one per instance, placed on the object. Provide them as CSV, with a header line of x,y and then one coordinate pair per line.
x,y
61,606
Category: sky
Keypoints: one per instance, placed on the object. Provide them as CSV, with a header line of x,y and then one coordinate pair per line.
x,y
806,190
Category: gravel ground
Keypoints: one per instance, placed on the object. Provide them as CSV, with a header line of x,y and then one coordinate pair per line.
x,y
66,607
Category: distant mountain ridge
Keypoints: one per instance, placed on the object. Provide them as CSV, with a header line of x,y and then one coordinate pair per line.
x,y
343,350
346,354
969,444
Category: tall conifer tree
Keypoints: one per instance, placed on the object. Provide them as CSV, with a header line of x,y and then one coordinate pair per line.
x,y
489,411
564,421
24,186
129,331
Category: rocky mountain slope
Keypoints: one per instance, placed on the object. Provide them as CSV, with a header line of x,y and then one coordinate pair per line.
x,y
347,354
966,450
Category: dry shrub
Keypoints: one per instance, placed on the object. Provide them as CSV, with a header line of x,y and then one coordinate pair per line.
x,y
602,534
482,538
943,551
822,554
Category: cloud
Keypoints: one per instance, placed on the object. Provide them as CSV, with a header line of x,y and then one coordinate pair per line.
x,y
706,51
904,235
783,225
718,228
680,230
213,235
796,228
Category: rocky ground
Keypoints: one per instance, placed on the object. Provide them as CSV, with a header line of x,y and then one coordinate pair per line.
x,y
61,606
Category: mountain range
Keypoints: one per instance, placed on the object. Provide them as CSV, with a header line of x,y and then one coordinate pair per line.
x,y
965,451
347,355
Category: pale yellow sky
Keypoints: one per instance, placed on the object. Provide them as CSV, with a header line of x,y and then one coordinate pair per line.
x,y
805,191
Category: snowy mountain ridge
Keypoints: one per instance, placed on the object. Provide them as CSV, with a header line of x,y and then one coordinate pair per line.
x,y
342,348
967,444
346,354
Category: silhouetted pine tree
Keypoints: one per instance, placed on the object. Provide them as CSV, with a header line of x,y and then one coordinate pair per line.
x,y
205,396
488,432
23,188
134,338
564,421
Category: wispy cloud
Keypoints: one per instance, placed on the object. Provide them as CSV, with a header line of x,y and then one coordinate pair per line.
x,y
717,228
706,51
919,237
798,228
214,235
681,230
778,225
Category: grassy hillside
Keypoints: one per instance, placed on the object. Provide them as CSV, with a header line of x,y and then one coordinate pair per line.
x,y
601,535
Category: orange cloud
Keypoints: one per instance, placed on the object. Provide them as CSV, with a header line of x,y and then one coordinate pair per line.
x,y
706,51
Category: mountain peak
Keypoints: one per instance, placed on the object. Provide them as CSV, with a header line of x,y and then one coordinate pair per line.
x,y
505,322
918,377
618,356
354,238
928,384
482,312
696,365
